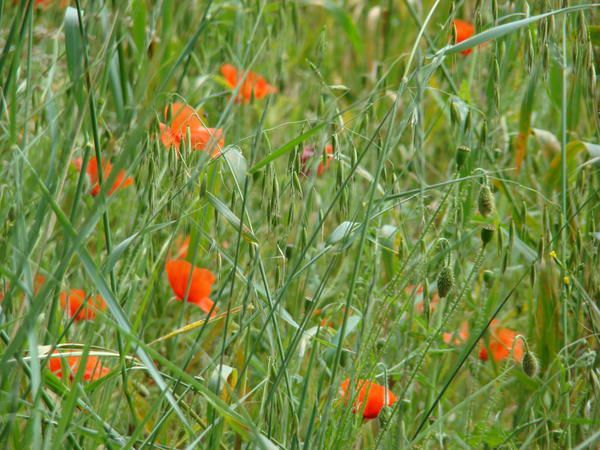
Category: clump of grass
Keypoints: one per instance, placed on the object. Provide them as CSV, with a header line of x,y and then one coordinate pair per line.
x,y
388,208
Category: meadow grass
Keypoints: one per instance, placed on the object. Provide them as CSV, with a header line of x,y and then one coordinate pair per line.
x,y
459,205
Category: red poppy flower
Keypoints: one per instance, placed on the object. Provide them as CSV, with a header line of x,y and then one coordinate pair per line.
x,y
253,84
371,397
181,274
93,367
307,155
463,30
92,172
501,344
184,117
79,306
457,338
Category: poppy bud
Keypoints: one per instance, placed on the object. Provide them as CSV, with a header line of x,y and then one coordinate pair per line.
x,y
487,233
445,281
488,278
385,415
289,251
462,154
530,364
485,201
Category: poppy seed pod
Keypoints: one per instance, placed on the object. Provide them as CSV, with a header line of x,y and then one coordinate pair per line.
x,y
487,233
485,201
445,281
530,364
462,154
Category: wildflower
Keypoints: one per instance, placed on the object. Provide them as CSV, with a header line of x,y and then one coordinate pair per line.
x,y
253,85
371,398
307,155
463,30
182,274
93,367
457,339
184,118
501,344
79,307
92,173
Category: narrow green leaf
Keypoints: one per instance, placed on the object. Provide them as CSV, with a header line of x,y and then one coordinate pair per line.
x,y
504,29
234,220
286,148
74,50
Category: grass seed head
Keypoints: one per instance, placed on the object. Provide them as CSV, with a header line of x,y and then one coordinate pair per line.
x,y
462,154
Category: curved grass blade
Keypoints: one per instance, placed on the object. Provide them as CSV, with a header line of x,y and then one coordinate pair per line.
x,y
502,30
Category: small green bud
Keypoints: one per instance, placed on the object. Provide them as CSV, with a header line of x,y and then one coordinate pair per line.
x,y
289,251
485,201
385,415
488,278
445,281
530,364
487,233
462,154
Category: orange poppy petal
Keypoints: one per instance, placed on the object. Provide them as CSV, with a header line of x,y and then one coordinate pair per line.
x,y
200,285
207,139
230,74
371,397
74,303
463,30
183,117
253,85
93,367
167,137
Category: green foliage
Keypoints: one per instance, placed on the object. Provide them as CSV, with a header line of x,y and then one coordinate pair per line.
x,y
390,209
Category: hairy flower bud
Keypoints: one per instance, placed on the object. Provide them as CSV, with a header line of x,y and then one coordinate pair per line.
x,y
485,201
530,364
445,281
